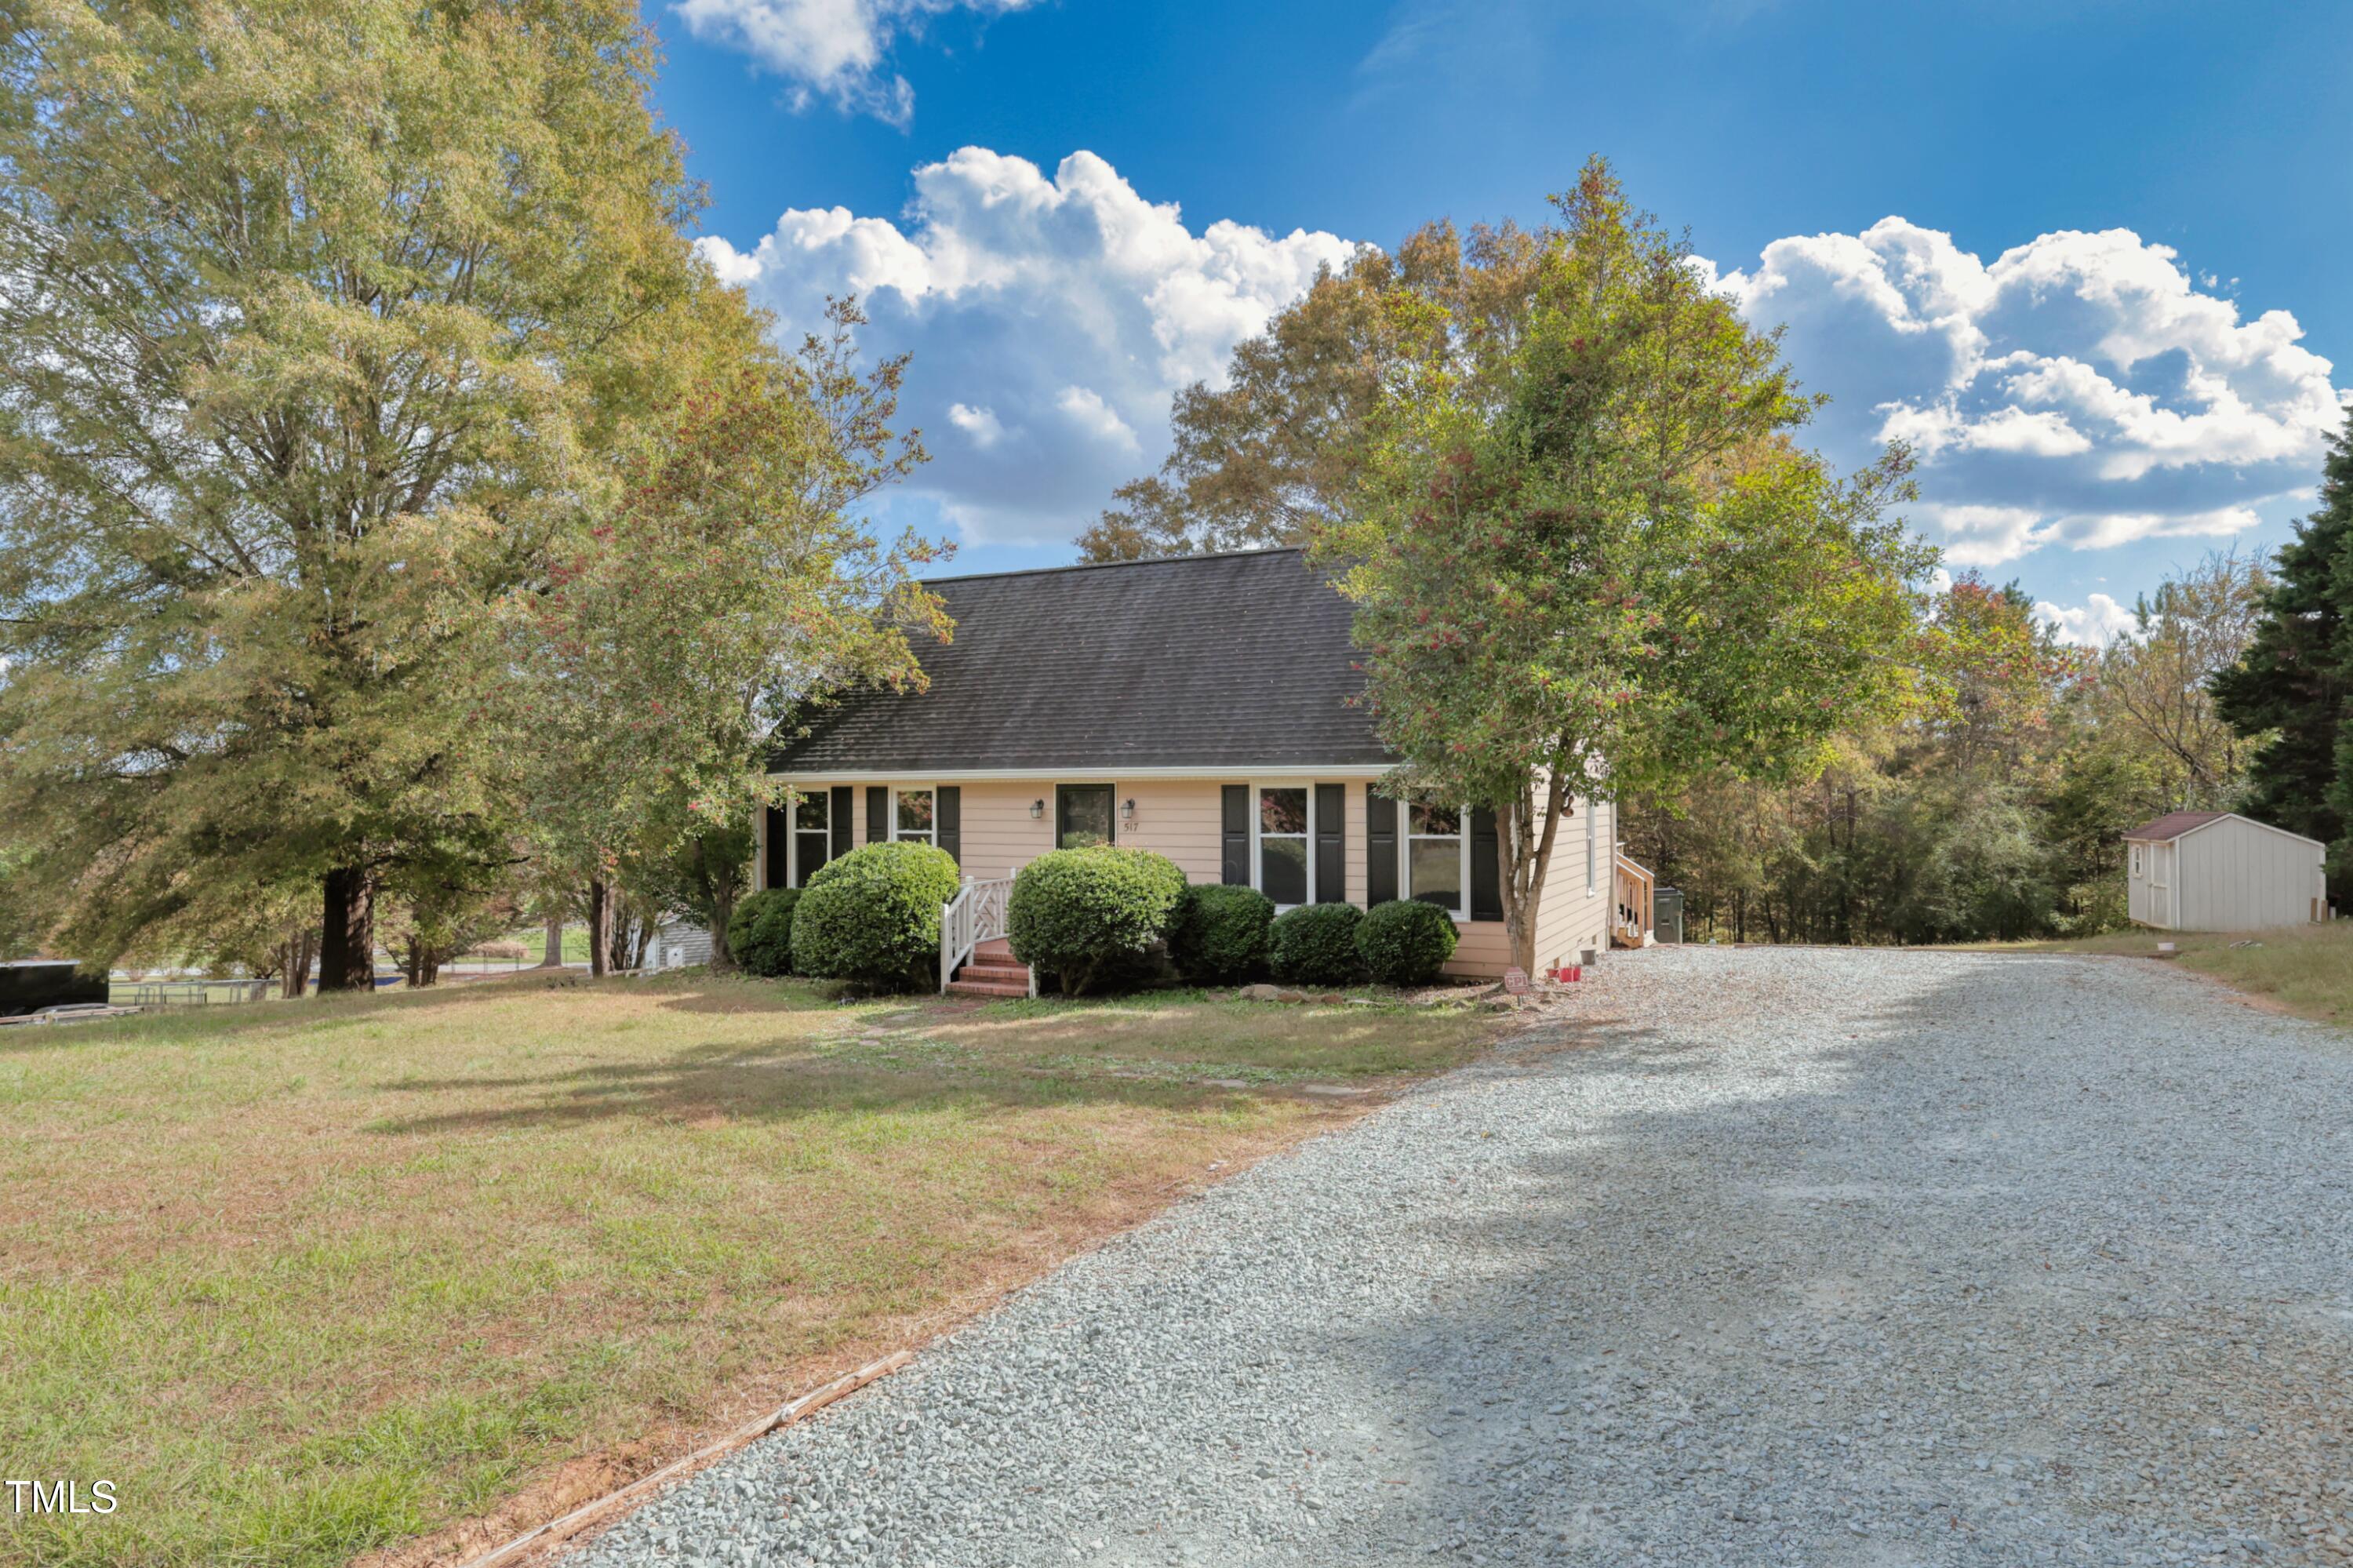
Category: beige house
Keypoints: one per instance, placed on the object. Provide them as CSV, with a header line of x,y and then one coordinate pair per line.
x,y
2216,871
1205,707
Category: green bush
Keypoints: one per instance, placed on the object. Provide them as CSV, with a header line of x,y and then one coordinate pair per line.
x,y
1085,915
760,931
1219,934
873,916
1315,944
1404,941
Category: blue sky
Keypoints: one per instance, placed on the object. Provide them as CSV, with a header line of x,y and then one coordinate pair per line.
x,y
2088,258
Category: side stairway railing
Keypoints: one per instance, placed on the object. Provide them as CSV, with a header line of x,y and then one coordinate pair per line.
x,y
1634,894
975,915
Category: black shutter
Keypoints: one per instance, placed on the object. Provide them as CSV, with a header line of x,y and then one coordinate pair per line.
x,y
878,814
1235,867
837,814
1486,866
1380,848
949,820
780,828
1331,859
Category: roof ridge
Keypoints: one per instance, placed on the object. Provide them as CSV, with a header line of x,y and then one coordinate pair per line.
x,y
1099,566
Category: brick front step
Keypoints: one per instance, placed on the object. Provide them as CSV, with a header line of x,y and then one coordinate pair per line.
x,y
995,948
962,987
998,973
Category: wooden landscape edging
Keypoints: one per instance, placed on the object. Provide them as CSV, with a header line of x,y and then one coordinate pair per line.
x,y
809,1403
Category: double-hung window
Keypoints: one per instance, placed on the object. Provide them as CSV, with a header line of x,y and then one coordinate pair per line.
x,y
1438,858
812,835
1285,829
911,817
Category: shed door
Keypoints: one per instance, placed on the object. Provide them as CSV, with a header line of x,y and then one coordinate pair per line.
x,y
2162,911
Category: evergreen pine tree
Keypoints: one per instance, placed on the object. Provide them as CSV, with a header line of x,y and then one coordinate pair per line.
x,y
2296,680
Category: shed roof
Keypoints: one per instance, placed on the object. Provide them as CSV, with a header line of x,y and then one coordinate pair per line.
x,y
1236,660
2173,825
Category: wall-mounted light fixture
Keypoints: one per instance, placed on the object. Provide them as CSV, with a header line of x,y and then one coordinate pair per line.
x,y
1127,811
1037,810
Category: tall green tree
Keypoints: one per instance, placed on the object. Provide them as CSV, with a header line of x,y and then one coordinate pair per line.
x,y
2297,679
1584,562
728,587
308,304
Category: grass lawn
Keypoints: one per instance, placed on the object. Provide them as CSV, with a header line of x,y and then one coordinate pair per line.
x,y
2306,969
305,1279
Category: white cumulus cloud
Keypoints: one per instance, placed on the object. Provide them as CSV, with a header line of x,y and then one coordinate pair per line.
x,y
2095,624
831,48
1085,407
2080,389
981,424
1052,320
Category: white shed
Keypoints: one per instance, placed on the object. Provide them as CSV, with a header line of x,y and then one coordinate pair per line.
x,y
676,943
2216,871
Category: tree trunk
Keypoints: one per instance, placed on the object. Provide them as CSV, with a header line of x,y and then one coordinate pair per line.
x,y
625,926
294,974
1526,861
600,927
347,934
429,966
555,951
721,910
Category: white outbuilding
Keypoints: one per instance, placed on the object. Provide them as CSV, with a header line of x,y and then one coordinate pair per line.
x,y
2216,871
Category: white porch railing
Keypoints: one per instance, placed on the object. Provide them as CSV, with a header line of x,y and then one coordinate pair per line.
x,y
975,915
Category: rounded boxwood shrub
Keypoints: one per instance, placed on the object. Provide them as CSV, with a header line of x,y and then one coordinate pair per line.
x,y
1403,941
1219,934
873,916
760,931
1315,944
1085,915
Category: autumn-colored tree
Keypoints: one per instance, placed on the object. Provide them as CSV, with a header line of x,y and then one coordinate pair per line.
x,y
1996,674
1582,561
308,307
2157,679
729,585
1276,449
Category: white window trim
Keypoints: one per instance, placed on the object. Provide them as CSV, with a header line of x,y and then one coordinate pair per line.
x,y
1458,912
1257,876
793,833
932,838
1592,848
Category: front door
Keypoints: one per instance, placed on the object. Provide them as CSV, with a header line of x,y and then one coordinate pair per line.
x,y
1082,815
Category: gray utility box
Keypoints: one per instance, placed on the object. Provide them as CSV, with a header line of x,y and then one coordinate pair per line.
x,y
1667,915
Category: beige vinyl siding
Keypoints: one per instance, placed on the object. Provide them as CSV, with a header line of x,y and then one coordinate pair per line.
x,y
1568,918
998,834
1355,844
1177,817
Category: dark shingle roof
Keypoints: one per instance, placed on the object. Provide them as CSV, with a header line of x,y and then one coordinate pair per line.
x,y
1199,662
2173,825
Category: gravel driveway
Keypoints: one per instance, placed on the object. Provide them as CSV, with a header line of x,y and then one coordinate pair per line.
x,y
1794,1256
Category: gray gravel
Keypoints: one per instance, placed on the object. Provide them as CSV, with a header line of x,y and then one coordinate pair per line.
x,y
1794,1256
